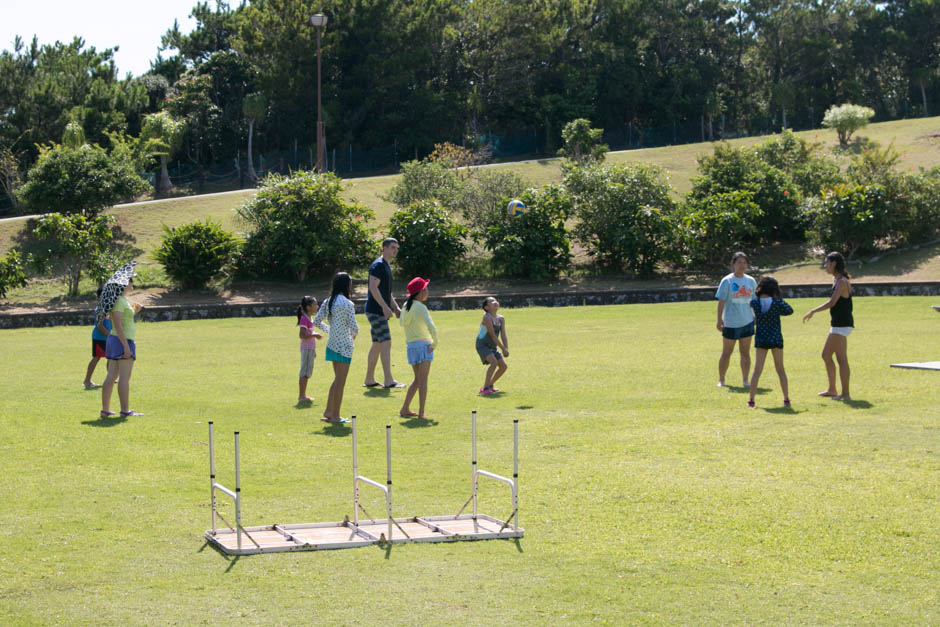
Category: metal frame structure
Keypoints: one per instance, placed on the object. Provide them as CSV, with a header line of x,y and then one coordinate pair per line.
x,y
348,533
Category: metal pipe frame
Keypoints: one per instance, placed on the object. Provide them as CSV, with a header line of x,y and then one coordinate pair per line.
x,y
386,489
512,483
213,485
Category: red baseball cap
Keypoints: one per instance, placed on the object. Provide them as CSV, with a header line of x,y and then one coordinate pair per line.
x,y
416,284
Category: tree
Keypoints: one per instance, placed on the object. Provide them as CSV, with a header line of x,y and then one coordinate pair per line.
x,y
82,180
301,226
162,135
11,273
254,106
71,244
583,143
9,174
846,119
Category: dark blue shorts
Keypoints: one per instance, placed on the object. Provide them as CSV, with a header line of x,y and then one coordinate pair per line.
x,y
115,350
738,333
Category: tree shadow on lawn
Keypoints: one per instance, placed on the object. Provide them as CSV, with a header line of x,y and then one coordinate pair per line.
x,y
897,264
105,422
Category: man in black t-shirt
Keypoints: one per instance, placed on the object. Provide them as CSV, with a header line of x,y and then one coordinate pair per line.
x,y
380,306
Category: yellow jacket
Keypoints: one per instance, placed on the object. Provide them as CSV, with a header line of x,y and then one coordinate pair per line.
x,y
417,324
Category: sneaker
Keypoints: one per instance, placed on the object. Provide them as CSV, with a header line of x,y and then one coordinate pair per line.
x,y
786,402
751,404
486,391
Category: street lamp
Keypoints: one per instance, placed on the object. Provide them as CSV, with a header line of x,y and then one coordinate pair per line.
x,y
319,22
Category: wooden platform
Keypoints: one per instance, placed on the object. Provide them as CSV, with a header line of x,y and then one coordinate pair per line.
x,y
344,535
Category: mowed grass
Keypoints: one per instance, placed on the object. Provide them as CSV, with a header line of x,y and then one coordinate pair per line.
x,y
648,495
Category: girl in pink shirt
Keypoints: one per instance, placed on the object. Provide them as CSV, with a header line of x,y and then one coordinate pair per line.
x,y
308,343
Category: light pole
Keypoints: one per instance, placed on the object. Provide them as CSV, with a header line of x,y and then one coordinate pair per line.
x,y
319,22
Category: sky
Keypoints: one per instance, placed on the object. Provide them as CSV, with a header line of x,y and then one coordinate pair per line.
x,y
133,25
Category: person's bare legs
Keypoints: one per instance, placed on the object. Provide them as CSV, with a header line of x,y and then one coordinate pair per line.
x,y
125,366
371,362
727,347
829,348
107,386
410,394
781,373
424,369
385,352
490,371
744,348
302,388
841,349
335,399
758,369
88,383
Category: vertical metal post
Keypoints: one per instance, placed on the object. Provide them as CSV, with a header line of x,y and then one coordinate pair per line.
x,y
238,496
355,477
319,118
388,477
474,463
212,477
515,470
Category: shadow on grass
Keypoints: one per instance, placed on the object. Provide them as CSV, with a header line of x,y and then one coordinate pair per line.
x,y
377,392
419,423
105,422
783,410
231,559
525,406
303,405
335,430
858,404
518,545
898,264
738,388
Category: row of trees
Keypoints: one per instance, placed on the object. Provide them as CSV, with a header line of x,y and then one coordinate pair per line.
x,y
414,72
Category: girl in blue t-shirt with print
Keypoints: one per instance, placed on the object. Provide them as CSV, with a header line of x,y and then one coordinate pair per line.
x,y
735,317
768,306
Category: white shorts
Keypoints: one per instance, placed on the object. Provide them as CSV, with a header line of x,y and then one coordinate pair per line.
x,y
843,331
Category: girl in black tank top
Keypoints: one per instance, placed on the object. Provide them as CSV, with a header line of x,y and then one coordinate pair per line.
x,y
842,322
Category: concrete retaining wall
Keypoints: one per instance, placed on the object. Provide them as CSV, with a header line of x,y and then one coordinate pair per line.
x,y
163,313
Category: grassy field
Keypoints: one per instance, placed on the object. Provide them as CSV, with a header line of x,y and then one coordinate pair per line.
x,y
648,495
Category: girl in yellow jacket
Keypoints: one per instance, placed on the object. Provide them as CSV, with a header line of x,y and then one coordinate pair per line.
x,y
421,336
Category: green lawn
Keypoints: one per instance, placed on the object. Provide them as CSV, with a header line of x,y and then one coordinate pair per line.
x,y
648,495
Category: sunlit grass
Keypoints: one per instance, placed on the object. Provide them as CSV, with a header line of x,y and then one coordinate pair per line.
x,y
648,495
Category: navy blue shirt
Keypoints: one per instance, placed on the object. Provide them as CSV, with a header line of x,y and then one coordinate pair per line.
x,y
383,272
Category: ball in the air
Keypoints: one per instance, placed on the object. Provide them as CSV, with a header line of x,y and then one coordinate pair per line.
x,y
516,208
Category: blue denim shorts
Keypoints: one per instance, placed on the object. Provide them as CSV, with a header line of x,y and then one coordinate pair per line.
x,y
738,333
419,351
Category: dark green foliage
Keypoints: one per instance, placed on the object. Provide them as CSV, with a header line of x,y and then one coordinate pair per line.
x,y
12,274
193,254
423,180
79,180
71,244
808,166
534,245
430,242
482,197
850,218
712,226
301,226
623,215
731,169
582,144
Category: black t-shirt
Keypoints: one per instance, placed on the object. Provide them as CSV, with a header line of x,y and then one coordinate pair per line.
x,y
383,272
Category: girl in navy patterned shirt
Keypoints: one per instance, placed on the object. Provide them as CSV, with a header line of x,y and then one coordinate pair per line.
x,y
768,306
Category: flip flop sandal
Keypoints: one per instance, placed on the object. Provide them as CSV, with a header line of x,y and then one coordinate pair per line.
x,y
395,385
408,414
130,413
108,414
371,385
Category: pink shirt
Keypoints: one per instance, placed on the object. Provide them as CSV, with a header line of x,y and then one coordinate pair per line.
x,y
309,343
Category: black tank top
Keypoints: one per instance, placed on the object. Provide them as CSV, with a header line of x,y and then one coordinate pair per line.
x,y
840,314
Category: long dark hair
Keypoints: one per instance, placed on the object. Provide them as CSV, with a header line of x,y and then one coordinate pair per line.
x,y
839,260
341,284
768,286
305,302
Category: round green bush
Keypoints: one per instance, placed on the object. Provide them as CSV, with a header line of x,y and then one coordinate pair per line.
x,y
193,254
430,241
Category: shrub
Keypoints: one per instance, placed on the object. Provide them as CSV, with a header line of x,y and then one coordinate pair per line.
x,y
731,169
623,215
79,180
846,119
849,217
810,169
193,254
482,199
714,225
300,226
423,180
12,274
431,243
534,245
70,244
582,143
